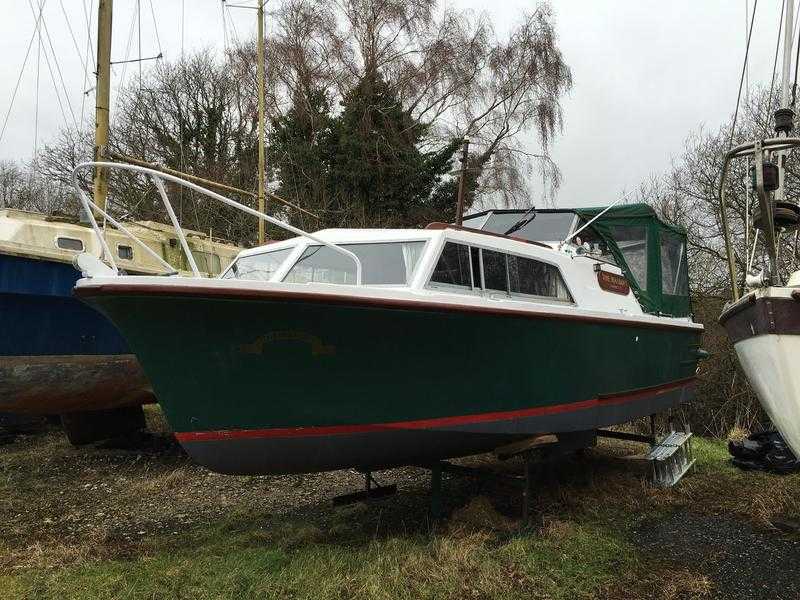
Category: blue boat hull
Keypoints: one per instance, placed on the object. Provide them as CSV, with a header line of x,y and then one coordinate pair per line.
x,y
57,354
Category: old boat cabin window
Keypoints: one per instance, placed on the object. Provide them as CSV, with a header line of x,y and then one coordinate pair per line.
x,y
468,268
453,268
125,252
382,263
257,267
530,277
495,272
674,273
68,243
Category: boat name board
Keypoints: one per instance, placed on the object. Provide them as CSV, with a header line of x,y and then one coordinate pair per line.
x,y
611,282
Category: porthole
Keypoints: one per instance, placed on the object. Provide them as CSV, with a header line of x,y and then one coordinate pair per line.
x,y
66,243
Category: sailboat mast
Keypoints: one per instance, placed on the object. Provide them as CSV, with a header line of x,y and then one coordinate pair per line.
x,y
785,110
261,158
105,9
788,43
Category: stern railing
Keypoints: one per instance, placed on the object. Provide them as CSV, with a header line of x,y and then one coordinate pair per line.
x,y
158,178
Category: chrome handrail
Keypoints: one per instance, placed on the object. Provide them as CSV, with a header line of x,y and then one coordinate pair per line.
x,y
157,177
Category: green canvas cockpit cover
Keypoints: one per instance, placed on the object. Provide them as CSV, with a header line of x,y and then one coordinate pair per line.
x,y
651,253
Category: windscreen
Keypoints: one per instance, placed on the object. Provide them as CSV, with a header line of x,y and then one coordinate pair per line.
x,y
385,263
545,227
257,267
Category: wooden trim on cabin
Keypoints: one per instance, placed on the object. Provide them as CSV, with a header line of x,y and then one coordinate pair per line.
x,y
355,301
438,226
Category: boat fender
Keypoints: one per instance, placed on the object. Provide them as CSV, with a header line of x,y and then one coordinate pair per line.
x,y
757,280
91,266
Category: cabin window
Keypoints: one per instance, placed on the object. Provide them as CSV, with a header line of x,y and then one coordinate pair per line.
x,y
453,268
257,267
384,263
125,252
495,273
674,274
66,243
632,243
535,278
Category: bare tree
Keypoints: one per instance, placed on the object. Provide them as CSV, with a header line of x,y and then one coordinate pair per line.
x,y
688,195
450,70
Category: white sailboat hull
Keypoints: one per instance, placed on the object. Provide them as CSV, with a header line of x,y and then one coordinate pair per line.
x,y
764,327
772,365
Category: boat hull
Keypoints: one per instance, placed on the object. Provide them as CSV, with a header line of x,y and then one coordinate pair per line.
x,y
765,332
58,355
279,382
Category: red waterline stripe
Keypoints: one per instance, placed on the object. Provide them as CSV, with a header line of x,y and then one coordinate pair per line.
x,y
280,432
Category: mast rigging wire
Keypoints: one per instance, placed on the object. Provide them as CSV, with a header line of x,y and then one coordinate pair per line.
x,y
155,28
774,69
794,85
741,80
125,63
86,74
58,70
139,27
72,35
21,71
36,109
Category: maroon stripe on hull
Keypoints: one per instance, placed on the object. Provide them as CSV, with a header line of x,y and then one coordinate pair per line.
x,y
441,423
386,448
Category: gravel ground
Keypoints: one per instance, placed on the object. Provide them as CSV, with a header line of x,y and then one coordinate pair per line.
x,y
742,562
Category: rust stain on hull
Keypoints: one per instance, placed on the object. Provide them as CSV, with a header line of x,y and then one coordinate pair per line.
x,y
44,385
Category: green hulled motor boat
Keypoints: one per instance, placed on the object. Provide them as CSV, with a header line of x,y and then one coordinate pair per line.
x,y
376,348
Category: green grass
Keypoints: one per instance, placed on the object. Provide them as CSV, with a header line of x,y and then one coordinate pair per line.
x,y
569,564
578,545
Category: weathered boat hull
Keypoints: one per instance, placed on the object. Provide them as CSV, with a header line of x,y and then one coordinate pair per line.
x,y
282,382
58,355
765,331
43,385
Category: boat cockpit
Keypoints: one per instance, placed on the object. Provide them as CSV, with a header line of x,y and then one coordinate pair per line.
x,y
650,252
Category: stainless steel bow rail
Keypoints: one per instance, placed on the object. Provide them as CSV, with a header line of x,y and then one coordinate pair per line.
x,y
158,178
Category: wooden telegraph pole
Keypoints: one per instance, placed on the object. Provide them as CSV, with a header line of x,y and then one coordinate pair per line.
x,y
462,182
261,156
102,98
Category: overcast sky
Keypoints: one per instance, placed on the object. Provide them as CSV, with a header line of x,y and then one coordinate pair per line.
x,y
646,73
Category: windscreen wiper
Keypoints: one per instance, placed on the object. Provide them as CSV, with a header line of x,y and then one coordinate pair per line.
x,y
529,216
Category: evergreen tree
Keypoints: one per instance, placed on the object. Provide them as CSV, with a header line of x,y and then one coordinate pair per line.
x,y
377,172
299,154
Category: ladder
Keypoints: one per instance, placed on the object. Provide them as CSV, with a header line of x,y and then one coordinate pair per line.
x,y
671,459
